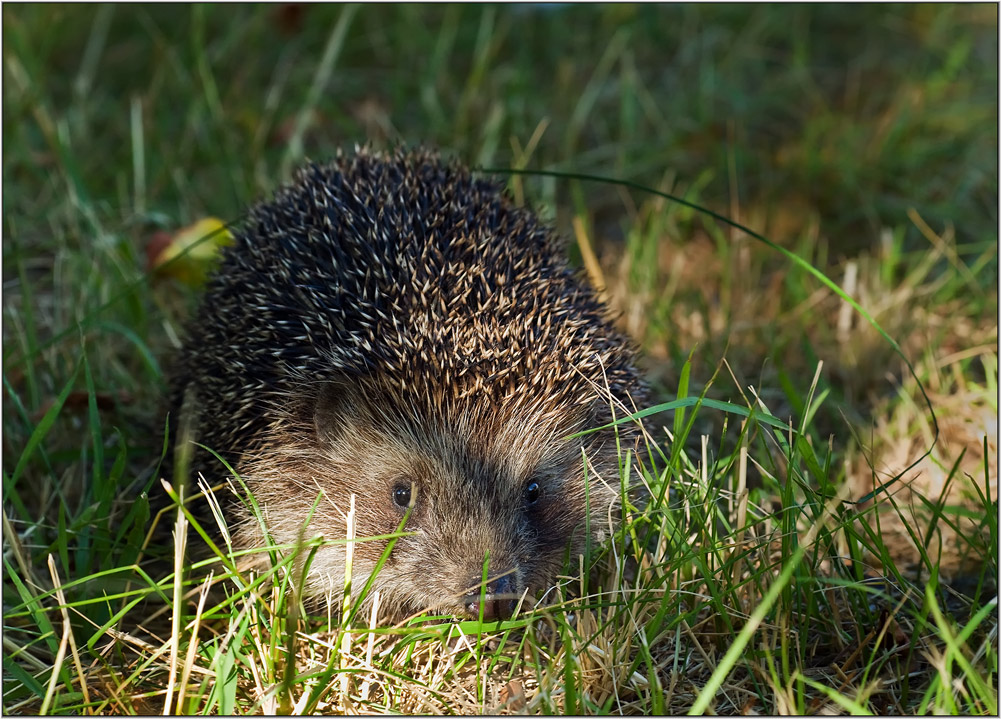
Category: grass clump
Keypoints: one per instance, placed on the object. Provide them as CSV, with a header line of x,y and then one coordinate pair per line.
x,y
713,594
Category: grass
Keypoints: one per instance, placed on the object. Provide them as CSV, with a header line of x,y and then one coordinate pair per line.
x,y
834,566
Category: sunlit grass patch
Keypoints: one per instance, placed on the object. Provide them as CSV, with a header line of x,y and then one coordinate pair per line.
x,y
712,593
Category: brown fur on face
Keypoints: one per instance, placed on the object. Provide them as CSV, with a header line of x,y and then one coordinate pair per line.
x,y
467,474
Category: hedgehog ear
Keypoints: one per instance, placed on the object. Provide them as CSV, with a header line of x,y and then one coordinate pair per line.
x,y
332,410
599,413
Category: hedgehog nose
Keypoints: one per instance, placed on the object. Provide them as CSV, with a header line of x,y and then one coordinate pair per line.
x,y
498,600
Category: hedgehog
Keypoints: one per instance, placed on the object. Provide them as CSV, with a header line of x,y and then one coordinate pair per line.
x,y
394,334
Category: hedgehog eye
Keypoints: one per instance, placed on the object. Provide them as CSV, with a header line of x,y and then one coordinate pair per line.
x,y
532,492
402,494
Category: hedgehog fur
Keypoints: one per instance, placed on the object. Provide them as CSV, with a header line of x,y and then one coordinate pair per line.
x,y
392,330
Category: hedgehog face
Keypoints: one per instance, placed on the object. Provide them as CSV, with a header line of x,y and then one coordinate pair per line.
x,y
505,497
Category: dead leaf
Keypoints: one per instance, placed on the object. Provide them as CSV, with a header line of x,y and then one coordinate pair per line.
x,y
512,695
189,253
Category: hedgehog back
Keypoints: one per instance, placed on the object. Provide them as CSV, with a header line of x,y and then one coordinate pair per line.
x,y
403,268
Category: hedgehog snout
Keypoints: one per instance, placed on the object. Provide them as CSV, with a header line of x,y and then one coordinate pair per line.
x,y
497,599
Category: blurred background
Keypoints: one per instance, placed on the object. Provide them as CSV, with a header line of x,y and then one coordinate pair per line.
x,y
862,137
845,115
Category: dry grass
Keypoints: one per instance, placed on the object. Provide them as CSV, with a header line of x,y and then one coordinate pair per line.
x,y
705,598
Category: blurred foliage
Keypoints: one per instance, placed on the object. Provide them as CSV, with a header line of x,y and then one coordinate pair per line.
x,y
853,112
